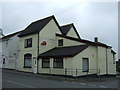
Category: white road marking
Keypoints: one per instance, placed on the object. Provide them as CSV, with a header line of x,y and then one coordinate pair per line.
x,y
20,84
92,85
103,86
82,83
73,82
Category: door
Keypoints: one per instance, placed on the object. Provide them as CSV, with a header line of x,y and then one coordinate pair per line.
x,y
85,64
35,65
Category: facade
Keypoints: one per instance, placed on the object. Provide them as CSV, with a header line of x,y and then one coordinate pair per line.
x,y
1,35
118,65
10,50
47,48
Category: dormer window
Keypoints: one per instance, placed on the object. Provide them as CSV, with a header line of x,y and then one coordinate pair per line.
x,y
28,42
60,42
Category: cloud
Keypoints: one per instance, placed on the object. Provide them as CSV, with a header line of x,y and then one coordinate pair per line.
x,y
91,18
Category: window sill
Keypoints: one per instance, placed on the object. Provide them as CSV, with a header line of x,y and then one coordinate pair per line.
x,y
85,71
27,47
27,67
45,67
57,68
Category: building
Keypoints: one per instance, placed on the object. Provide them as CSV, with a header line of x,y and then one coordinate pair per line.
x,y
48,48
1,35
10,50
118,65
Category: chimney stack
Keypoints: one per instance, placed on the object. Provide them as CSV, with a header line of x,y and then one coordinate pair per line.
x,y
95,39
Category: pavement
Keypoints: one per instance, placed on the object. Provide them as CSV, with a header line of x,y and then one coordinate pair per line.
x,y
15,79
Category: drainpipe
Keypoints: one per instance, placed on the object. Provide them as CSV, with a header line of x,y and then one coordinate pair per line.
x,y
38,52
97,65
106,63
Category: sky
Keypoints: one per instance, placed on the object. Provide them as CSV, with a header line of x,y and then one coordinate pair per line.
x,y
91,19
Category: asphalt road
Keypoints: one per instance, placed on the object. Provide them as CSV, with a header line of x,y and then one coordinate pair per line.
x,y
16,80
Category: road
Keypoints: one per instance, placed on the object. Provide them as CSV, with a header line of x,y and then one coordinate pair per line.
x,y
16,80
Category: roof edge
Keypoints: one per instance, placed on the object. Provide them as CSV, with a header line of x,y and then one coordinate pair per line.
x,y
83,41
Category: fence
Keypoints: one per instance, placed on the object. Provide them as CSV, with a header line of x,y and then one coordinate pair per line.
x,y
73,72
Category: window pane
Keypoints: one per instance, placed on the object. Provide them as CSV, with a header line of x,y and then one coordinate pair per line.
x,y
28,62
58,63
85,64
28,42
45,63
60,42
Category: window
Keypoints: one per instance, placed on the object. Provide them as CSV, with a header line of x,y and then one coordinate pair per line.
x,y
27,60
114,59
85,65
7,43
60,42
58,63
3,60
28,42
45,63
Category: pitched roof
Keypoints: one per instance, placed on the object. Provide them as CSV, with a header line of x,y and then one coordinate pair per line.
x,y
66,28
83,41
9,36
37,26
68,51
113,51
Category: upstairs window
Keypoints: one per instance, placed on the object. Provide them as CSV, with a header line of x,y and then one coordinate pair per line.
x,y
28,42
7,43
60,42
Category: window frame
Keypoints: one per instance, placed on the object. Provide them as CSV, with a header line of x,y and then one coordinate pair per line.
x,y
55,60
26,43
114,59
30,57
87,64
60,42
45,60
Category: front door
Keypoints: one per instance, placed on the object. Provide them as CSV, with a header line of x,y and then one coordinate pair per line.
x,y
35,65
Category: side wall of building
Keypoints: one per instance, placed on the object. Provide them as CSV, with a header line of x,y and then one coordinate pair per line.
x,y
89,53
111,62
48,34
10,52
72,33
67,42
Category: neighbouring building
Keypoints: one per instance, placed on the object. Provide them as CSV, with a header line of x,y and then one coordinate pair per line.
x,y
118,65
9,51
45,47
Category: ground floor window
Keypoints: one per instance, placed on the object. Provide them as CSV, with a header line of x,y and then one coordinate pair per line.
x,y
58,63
85,64
27,60
45,63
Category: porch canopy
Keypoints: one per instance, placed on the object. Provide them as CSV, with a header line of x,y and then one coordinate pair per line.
x,y
68,51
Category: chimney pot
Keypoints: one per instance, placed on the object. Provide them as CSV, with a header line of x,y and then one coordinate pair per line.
x,y
95,39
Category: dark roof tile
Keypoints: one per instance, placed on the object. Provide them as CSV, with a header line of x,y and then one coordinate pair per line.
x,y
66,28
68,51
36,26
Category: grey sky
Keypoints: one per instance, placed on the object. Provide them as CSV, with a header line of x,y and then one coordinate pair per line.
x,y
90,18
